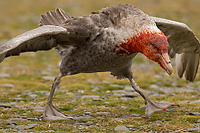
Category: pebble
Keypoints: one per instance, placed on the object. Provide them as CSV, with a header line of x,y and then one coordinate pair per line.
x,y
135,115
51,78
33,95
121,128
88,123
17,119
46,73
130,94
33,119
5,106
100,118
81,127
10,86
184,101
129,88
154,86
22,127
102,113
198,121
197,129
46,93
91,96
194,113
143,107
197,101
116,85
4,75
88,113
168,90
82,117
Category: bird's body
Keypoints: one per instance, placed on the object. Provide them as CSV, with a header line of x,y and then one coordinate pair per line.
x,y
102,39
108,40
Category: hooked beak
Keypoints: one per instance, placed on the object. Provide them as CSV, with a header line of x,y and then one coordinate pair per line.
x,y
165,63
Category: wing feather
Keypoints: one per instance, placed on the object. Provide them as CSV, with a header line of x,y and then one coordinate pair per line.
x,y
184,43
41,38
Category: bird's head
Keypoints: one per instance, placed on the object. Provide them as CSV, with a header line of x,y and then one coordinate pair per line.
x,y
156,48
153,45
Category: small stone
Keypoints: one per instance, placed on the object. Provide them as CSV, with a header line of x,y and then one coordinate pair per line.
x,y
102,113
51,78
30,126
17,98
116,85
194,113
158,76
91,96
154,86
196,129
97,99
88,113
33,95
22,127
89,123
5,106
129,88
82,117
70,94
130,94
180,130
123,107
106,103
4,75
11,123
38,109
46,73
135,115
81,127
100,118
184,101
10,86
33,119
17,119
143,107
121,128
198,121
81,91
46,93
197,101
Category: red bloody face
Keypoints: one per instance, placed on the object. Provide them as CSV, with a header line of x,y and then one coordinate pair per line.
x,y
157,50
153,45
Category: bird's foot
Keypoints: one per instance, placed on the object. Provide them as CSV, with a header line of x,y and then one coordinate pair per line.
x,y
155,106
51,113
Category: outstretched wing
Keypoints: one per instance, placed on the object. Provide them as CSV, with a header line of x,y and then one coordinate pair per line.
x,y
184,44
42,38
53,32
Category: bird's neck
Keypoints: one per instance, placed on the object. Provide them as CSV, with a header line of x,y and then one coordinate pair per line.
x,y
138,42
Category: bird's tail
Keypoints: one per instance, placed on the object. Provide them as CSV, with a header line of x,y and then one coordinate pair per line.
x,y
54,18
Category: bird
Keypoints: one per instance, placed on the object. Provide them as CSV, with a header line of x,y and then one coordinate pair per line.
x,y
106,41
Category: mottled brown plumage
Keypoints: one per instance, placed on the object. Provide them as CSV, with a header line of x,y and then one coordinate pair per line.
x,y
108,40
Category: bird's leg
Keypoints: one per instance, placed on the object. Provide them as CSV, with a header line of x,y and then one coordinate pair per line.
x,y
50,112
151,106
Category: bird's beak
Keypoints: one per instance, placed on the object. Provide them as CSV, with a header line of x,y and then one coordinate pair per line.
x,y
165,63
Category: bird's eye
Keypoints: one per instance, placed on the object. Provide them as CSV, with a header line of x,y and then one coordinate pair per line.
x,y
154,46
